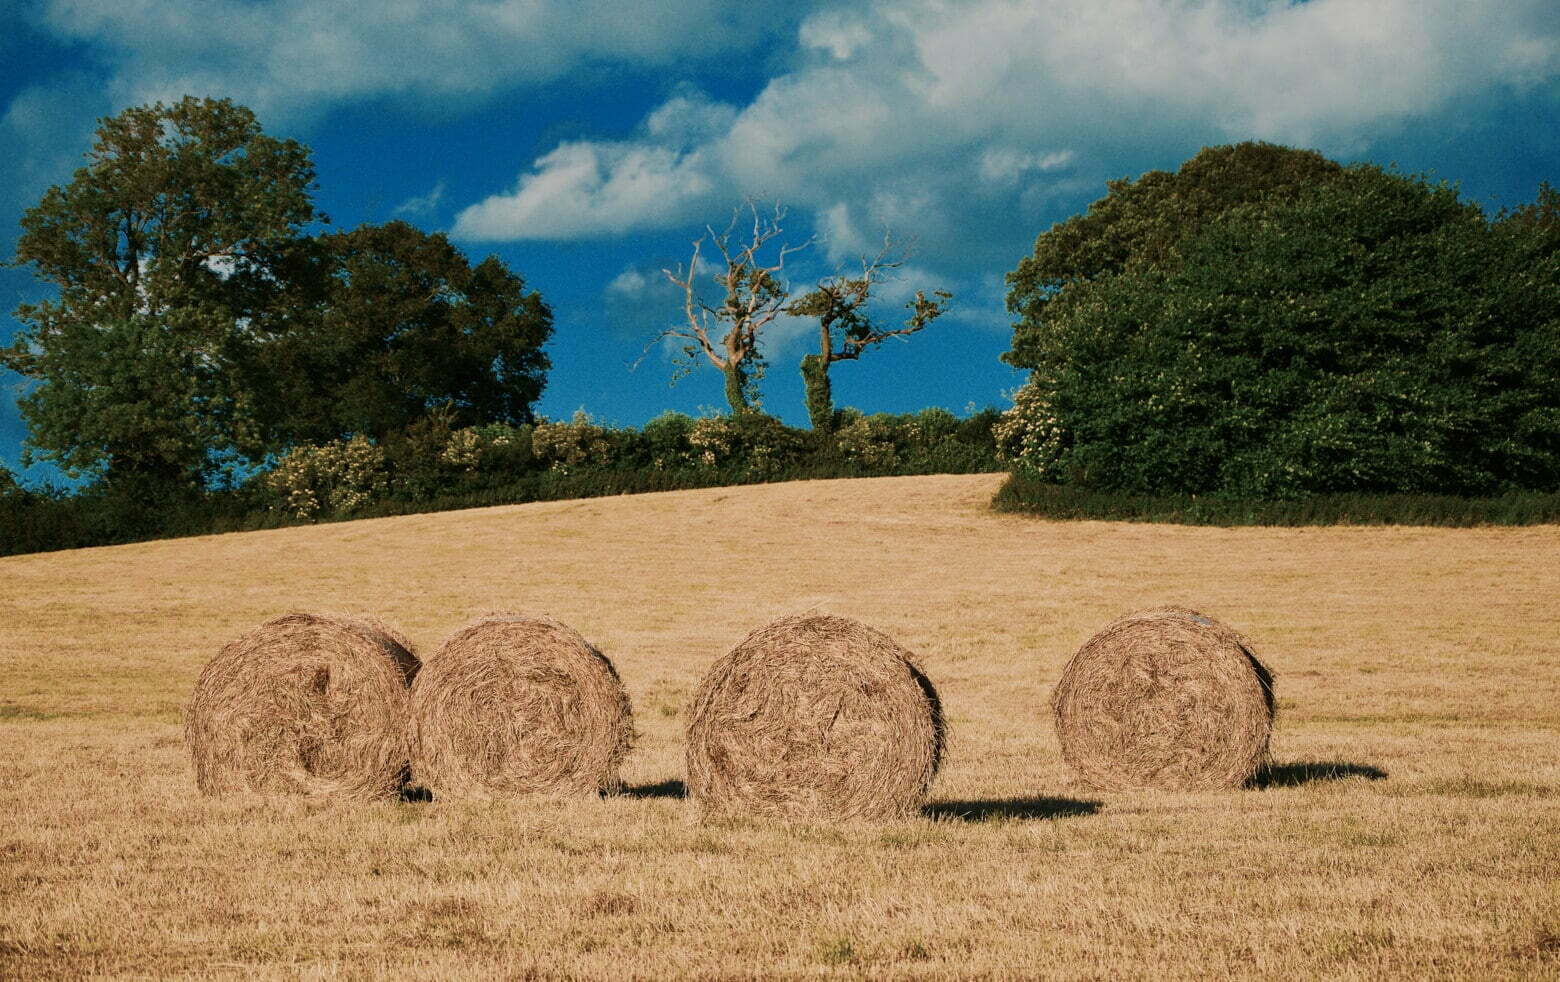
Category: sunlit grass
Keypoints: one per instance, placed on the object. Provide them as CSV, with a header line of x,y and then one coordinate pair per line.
x,y
1410,826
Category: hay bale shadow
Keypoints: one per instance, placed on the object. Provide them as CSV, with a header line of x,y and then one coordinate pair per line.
x,y
1019,809
1310,772
661,789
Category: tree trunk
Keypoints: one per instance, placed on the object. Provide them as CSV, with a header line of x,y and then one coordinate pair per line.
x,y
820,394
736,386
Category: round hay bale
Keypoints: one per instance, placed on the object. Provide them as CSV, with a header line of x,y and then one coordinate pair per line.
x,y
304,704
814,716
514,704
1164,698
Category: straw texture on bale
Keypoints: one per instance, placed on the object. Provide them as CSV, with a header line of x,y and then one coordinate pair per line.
x,y
514,704
304,704
814,716
1164,698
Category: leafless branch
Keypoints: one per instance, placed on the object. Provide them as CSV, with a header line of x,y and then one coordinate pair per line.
x,y
697,312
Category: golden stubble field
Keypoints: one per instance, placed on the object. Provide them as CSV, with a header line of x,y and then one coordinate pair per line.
x,y
1412,828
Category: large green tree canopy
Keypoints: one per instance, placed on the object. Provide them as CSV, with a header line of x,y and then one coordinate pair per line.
x,y
1146,220
394,323
158,247
197,323
1368,333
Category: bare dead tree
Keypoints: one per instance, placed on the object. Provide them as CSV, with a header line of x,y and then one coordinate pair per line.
x,y
752,294
846,329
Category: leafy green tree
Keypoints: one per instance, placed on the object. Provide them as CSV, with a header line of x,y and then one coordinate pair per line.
x,y
160,249
1524,294
388,324
1373,333
846,328
1146,220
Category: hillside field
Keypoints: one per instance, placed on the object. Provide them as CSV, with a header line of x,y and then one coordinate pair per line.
x,y
1410,827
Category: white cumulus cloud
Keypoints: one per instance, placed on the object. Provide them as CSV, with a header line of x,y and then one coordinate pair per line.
x,y
837,32
586,189
423,205
689,119
945,119
629,283
1004,165
286,57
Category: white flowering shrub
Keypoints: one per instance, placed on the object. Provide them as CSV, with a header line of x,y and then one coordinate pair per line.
x,y
563,446
870,440
1029,436
760,444
714,440
333,479
464,450
477,448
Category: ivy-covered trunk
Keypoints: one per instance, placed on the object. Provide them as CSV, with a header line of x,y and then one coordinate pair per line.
x,y
736,386
820,394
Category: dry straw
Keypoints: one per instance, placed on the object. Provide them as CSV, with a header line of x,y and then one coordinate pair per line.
x,y
514,704
1164,698
304,704
814,716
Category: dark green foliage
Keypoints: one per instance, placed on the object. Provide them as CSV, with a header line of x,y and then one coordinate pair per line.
x,y
1373,334
968,448
103,514
932,441
665,440
1146,221
760,434
414,456
507,451
34,523
1043,499
738,443
159,248
393,324
976,429
424,463
31,521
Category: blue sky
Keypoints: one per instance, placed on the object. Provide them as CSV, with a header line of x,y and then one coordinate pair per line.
x,y
588,143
